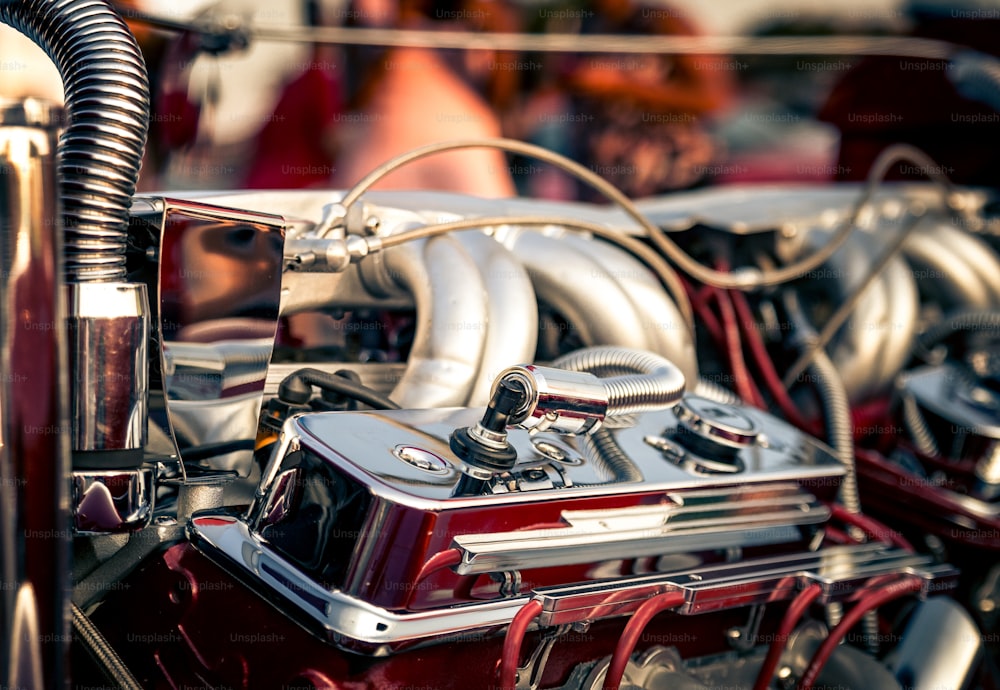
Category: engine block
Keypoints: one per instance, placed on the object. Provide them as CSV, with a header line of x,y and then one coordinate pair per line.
x,y
355,439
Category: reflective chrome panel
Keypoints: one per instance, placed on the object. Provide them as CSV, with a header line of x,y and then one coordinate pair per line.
x,y
754,581
941,648
216,298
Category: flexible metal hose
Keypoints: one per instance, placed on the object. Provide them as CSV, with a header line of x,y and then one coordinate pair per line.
x,y
620,365
915,423
977,320
100,152
833,394
837,415
713,391
840,433
102,652
609,458
651,384
834,400
840,430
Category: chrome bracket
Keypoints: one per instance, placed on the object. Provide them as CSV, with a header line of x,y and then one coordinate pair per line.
x,y
529,676
510,582
744,638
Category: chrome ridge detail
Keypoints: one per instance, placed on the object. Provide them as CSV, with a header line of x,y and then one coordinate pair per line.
x,y
216,286
841,571
689,521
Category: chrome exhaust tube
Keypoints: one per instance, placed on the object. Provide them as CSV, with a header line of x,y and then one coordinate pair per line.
x,y
100,152
34,415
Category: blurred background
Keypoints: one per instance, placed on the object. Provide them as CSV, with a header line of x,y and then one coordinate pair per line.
x,y
234,111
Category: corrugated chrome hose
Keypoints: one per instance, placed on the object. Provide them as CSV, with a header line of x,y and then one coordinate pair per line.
x,y
100,152
636,380
916,424
840,433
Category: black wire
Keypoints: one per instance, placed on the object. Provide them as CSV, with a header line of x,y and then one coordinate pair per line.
x,y
336,383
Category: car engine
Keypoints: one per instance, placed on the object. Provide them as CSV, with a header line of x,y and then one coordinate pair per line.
x,y
736,437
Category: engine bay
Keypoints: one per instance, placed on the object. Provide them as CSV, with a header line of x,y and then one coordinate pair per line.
x,y
737,436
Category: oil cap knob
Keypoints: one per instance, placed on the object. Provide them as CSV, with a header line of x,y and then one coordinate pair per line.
x,y
713,430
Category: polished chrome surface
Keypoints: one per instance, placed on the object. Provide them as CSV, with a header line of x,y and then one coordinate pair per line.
x,y
747,209
216,294
109,341
565,402
354,624
969,410
953,267
34,414
689,521
874,344
109,502
941,648
475,309
281,500
463,341
571,399
569,272
362,445
375,463
719,424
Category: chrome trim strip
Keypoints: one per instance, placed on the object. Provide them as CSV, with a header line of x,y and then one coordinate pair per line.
x,y
758,581
358,625
709,519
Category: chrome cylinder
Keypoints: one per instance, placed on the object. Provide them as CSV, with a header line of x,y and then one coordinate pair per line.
x,y
108,339
941,648
573,400
34,419
566,402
